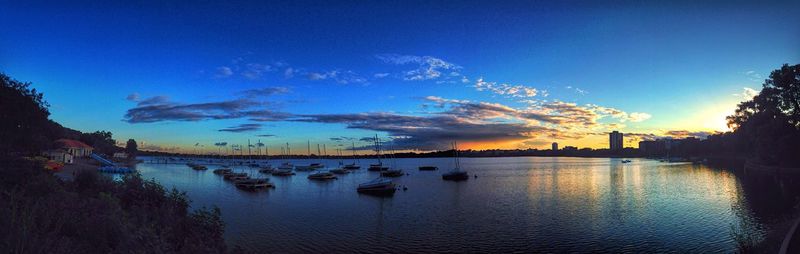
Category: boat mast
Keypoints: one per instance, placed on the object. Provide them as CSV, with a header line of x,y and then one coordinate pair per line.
x,y
378,149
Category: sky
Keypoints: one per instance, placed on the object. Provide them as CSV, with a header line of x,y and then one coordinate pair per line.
x,y
189,77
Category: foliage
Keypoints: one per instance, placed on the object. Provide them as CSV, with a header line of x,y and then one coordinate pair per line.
x,y
102,141
768,126
23,117
95,214
131,148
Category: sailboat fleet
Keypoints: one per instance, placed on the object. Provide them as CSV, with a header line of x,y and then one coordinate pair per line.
x,y
382,185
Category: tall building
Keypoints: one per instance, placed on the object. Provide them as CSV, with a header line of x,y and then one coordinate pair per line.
x,y
615,140
555,146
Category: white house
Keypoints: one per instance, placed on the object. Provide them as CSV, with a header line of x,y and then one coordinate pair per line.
x,y
59,155
121,155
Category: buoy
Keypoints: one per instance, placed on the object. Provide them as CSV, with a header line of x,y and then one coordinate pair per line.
x,y
405,188
476,176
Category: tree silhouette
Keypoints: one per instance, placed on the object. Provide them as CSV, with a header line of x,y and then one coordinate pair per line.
x,y
131,148
770,123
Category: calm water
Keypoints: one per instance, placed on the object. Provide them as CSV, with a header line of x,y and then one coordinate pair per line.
x,y
516,204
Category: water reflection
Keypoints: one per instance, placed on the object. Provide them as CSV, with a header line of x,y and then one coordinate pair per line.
x,y
516,204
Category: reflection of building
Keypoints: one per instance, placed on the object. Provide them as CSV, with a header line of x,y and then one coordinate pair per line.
x,y
555,146
615,140
668,147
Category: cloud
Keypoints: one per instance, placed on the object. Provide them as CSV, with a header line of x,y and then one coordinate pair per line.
x,y
288,73
754,76
427,67
638,117
151,147
223,72
687,134
563,115
505,89
254,71
133,97
265,135
267,91
243,128
381,75
341,77
577,90
160,108
747,93
428,132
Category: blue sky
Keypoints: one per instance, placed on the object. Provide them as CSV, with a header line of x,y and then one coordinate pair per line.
x,y
420,72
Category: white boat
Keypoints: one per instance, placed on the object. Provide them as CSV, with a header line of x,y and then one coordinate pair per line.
x,y
379,186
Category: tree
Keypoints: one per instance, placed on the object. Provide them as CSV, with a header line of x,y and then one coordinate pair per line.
x,y
131,148
24,119
102,141
769,124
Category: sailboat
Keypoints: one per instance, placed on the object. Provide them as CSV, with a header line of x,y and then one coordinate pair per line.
x,y
353,166
254,184
456,174
341,169
265,167
308,167
379,166
285,169
378,186
392,172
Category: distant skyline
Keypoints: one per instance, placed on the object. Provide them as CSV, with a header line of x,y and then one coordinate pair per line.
x,y
186,76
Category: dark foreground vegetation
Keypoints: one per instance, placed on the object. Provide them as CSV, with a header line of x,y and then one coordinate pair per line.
x,y
94,214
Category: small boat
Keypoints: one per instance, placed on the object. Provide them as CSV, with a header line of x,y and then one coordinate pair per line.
x,y
266,170
456,174
234,176
316,165
351,166
282,172
222,171
199,167
254,184
626,161
340,171
322,176
379,186
303,168
377,167
428,168
392,173
286,166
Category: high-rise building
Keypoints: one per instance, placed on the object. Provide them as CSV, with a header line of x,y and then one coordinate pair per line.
x,y
555,146
615,140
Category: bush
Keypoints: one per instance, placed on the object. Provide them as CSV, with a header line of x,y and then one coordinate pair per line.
x,y
94,214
